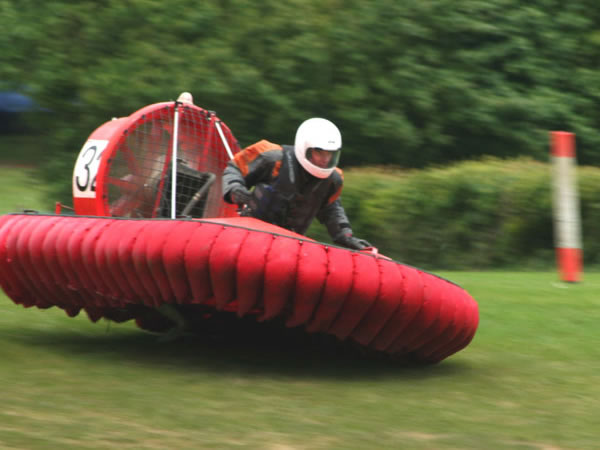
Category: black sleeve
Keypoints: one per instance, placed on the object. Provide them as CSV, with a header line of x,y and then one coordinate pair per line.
x,y
259,171
334,218
232,177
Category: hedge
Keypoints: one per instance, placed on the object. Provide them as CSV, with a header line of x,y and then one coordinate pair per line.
x,y
489,213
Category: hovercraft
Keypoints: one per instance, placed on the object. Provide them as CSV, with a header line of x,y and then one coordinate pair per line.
x,y
152,240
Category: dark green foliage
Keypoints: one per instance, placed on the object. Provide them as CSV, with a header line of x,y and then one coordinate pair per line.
x,y
409,83
476,214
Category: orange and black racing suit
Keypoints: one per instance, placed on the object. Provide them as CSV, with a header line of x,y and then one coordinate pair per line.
x,y
284,193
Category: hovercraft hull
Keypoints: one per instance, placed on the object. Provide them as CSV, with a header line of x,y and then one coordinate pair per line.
x,y
241,265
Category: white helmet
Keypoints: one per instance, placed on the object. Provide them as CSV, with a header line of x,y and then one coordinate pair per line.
x,y
318,146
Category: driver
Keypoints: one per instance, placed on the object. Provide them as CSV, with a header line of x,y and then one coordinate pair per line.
x,y
294,184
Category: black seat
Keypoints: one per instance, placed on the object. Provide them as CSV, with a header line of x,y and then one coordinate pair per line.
x,y
193,187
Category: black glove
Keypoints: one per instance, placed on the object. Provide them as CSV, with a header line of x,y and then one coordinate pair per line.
x,y
240,195
345,239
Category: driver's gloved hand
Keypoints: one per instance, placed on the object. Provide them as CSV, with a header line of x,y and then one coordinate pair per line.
x,y
240,195
345,239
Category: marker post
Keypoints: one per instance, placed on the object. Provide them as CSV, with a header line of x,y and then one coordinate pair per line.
x,y
567,222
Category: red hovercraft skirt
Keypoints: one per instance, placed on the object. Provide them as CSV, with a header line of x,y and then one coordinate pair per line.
x,y
241,265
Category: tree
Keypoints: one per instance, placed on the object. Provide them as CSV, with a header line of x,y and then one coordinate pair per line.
x,y
408,83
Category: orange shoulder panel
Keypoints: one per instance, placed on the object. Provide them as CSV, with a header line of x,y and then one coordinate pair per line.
x,y
250,153
337,193
276,169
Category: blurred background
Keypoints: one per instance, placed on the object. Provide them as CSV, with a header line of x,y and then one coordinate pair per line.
x,y
444,106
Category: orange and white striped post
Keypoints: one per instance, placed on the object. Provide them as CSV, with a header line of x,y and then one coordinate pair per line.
x,y
567,223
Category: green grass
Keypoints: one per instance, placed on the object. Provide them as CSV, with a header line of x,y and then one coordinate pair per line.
x,y
530,379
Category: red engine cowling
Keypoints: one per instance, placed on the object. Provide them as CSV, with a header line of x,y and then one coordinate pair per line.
x,y
125,168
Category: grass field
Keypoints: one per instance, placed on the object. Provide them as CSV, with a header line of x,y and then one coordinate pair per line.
x,y
529,380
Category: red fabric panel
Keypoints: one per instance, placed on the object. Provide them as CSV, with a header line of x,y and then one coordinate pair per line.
x,y
423,325
65,269
158,235
58,280
469,327
126,264
411,301
142,269
453,315
196,261
80,277
8,279
310,279
337,287
78,298
88,258
118,231
390,295
222,263
174,259
17,255
250,271
31,292
62,269
37,263
58,292
280,275
430,339
105,242
362,295
450,328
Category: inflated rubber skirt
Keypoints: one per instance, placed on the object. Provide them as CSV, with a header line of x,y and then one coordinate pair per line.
x,y
241,265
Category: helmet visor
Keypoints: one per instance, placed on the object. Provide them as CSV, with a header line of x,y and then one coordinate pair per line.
x,y
323,159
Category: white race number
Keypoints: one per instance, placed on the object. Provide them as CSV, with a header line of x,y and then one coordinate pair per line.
x,y
86,168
